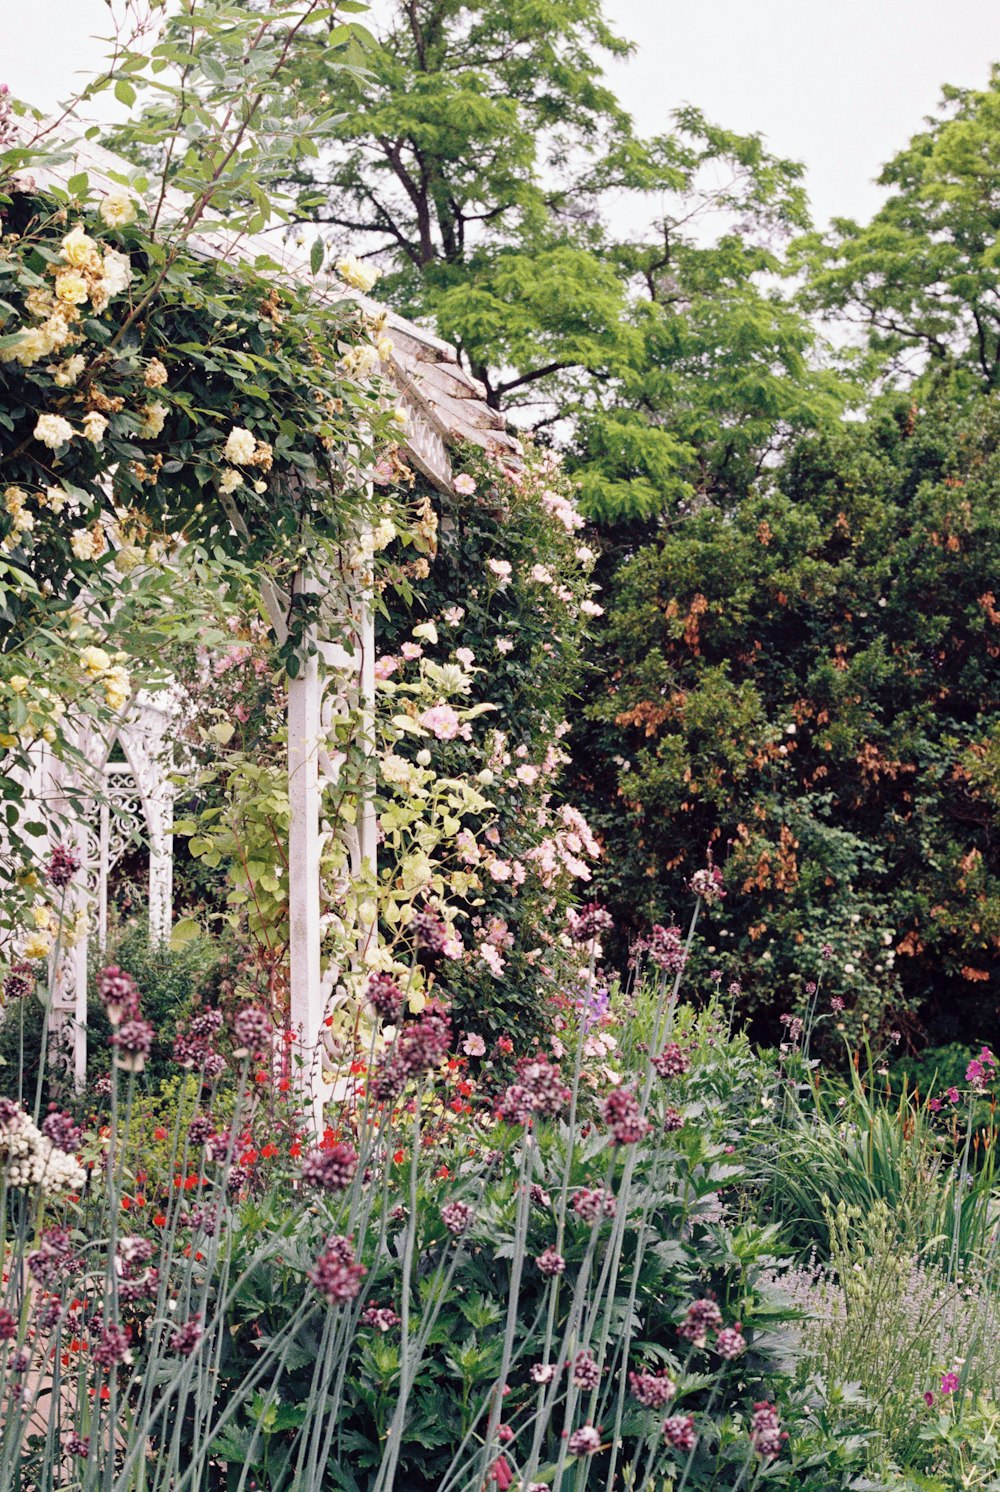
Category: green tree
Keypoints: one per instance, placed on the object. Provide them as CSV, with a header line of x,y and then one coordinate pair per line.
x,y
921,279
809,683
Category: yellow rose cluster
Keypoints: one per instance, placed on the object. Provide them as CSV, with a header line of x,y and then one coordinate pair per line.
x,y
28,712
243,448
88,275
110,672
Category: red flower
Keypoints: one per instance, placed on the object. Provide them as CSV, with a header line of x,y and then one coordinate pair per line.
x,y
159,1219
268,1151
399,1156
159,1133
284,1085
295,1149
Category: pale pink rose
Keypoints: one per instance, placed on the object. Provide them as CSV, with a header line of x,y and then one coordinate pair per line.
x,y
504,645
519,873
386,666
453,615
464,485
383,473
502,569
491,956
474,1045
591,608
492,835
465,656
411,650
542,574
442,721
500,870
527,774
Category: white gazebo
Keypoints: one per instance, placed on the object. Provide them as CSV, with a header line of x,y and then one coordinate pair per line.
x,y
444,406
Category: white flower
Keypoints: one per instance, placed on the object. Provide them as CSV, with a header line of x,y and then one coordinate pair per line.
x,y
83,544
65,375
501,568
360,276
229,481
94,426
117,272
53,431
240,447
426,631
153,417
591,608
360,361
117,210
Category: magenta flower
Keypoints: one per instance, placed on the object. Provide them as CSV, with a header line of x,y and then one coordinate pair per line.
x,y
949,1382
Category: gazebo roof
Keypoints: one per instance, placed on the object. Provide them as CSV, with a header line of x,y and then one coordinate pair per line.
x,y
444,403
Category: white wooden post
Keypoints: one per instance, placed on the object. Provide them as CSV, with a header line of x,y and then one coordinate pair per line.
x,y
304,699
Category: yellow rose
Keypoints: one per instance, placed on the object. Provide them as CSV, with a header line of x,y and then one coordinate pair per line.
x,y
36,946
79,249
94,426
41,916
71,288
94,661
361,276
117,210
17,683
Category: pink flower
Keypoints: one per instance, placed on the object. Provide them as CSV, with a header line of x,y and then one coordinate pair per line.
x,y
383,473
949,1382
952,1095
411,650
465,656
499,870
504,645
492,957
464,485
474,1045
502,569
591,608
527,774
386,666
442,721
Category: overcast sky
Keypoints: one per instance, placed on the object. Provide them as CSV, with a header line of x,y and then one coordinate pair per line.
x,y
838,84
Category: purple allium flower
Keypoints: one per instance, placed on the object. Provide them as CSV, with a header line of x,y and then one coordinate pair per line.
x,y
653,1390
186,1338
133,1042
456,1217
550,1262
62,1131
430,932
593,1204
54,1259
336,1273
826,951
112,1348
679,1432
673,1120
62,867
702,1317
19,982
672,1062
119,994
584,1442
730,1342
330,1168
11,1114
589,922
707,884
666,948
252,1032
810,986
382,1317
542,1372
793,1025
130,1292
420,1046
201,1129
736,989
586,1373
132,1254
385,996
8,1325
836,1004
624,1118
543,1082
715,975
78,1445
206,1024
766,1433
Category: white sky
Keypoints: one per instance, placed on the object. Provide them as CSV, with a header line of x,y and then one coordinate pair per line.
x,y
838,84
